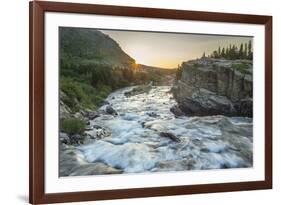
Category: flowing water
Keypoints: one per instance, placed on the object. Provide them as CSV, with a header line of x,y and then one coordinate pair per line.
x,y
136,145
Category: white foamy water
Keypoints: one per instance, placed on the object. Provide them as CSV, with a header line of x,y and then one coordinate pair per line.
x,y
135,144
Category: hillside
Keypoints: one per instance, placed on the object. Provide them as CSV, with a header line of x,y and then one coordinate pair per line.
x,y
92,65
159,76
91,46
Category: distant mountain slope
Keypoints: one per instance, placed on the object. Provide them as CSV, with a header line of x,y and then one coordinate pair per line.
x,y
157,69
92,46
159,76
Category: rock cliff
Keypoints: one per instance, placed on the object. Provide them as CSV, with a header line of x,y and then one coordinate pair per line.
x,y
215,87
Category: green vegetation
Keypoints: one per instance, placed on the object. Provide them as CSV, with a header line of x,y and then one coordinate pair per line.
x,y
92,65
242,67
232,52
82,95
73,126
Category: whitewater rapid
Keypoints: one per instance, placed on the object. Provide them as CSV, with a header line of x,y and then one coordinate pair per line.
x,y
135,144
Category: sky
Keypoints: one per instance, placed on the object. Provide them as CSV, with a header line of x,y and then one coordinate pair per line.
x,y
168,50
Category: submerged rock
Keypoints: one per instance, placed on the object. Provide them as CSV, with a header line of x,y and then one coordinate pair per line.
x,y
170,135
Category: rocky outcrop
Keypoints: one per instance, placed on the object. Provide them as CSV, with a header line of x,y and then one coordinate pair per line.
x,y
215,87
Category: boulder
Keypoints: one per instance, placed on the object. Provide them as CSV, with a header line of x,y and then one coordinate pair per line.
x,y
72,163
98,132
78,139
170,136
110,110
245,107
63,138
177,111
92,115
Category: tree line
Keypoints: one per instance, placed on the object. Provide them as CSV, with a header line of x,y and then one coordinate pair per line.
x,y
232,52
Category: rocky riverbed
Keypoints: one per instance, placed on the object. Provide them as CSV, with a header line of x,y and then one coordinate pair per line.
x,y
144,132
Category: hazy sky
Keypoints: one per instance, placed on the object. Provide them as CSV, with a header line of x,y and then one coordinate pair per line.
x,y
167,50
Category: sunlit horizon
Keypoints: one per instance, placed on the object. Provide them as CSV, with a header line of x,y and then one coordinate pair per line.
x,y
168,50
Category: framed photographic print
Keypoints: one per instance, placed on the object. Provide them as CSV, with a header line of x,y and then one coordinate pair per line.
x,y
139,102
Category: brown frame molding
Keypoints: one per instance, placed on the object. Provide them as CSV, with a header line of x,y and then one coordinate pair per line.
x,y
37,9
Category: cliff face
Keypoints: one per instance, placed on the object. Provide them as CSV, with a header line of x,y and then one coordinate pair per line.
x,y
215,87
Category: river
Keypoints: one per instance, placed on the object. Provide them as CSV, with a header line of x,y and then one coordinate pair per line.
x,y
136,145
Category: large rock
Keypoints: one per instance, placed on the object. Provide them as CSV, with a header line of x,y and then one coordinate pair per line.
x,y
73,163
110,110
215,87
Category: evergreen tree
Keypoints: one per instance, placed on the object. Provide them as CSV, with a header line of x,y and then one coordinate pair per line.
x,y
245,51
250,53
204,55
223,53
227,53
241,51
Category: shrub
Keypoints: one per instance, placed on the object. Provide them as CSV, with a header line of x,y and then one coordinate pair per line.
x,y
73,126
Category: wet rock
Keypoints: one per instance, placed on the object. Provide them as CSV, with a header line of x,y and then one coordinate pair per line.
x,y
94,169
170,136
64,139
92,115
204,102
177,111
175,165
142,124
73,163
152,114
110,110
78,139
245,107
98,132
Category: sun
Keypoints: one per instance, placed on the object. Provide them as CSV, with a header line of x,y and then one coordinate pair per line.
x,y
135,65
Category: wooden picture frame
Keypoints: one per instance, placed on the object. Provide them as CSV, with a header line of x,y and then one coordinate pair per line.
x,y
37,11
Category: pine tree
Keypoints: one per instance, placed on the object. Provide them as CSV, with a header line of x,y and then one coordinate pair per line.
x,y
245,51
223,53
227,53
204,55
241,51
250,53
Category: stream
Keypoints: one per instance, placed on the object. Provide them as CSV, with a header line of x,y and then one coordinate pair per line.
x,y
136,145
